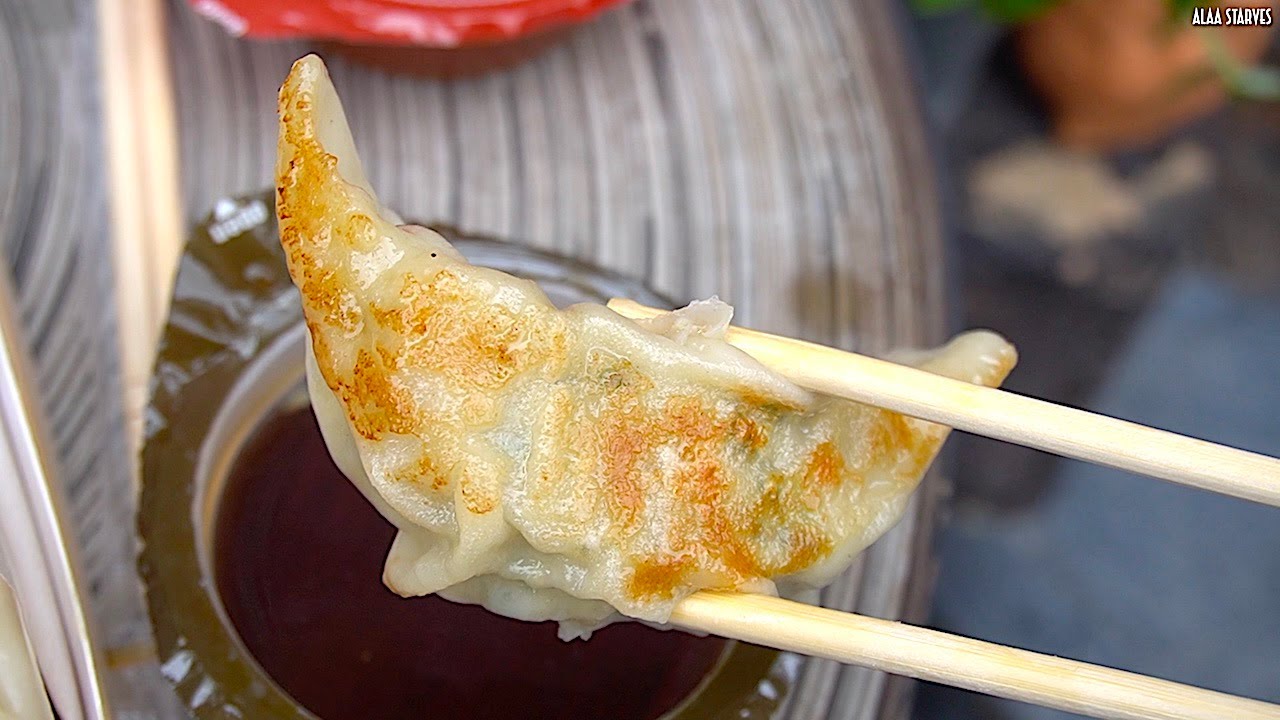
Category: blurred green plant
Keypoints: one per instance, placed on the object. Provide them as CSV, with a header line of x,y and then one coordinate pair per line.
x,y
1243,81
1002,11
1013,12
1257,82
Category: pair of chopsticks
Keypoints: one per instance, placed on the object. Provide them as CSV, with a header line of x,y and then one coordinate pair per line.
x,y
964,662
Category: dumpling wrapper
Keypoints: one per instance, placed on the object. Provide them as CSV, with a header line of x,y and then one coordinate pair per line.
x,y
569,464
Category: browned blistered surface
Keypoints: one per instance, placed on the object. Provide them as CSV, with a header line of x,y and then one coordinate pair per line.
x,y
471,395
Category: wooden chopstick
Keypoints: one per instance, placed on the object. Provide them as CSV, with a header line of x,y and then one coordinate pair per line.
x,y
146,208
1007,416
963,662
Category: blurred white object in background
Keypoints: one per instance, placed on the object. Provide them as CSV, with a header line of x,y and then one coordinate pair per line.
x,y
35,553
21,689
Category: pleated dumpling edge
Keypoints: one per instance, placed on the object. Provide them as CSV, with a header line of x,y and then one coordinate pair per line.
x,y
568,465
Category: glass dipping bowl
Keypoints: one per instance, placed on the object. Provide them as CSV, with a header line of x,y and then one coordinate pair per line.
x,y
227,388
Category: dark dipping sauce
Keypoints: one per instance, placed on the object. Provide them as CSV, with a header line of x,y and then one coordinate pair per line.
x,y
299,554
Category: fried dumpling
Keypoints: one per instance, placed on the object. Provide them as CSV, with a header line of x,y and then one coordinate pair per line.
x,y
568,464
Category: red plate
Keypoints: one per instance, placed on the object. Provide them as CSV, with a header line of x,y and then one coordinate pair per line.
x,y
432,23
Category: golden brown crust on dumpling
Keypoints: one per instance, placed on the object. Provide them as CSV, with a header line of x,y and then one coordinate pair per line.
x,y
580,451
439,322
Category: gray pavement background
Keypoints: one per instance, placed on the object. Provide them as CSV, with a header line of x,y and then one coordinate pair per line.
x,y
1165,311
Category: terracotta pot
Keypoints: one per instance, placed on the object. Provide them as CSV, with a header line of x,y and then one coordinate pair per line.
x,y
1119,74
